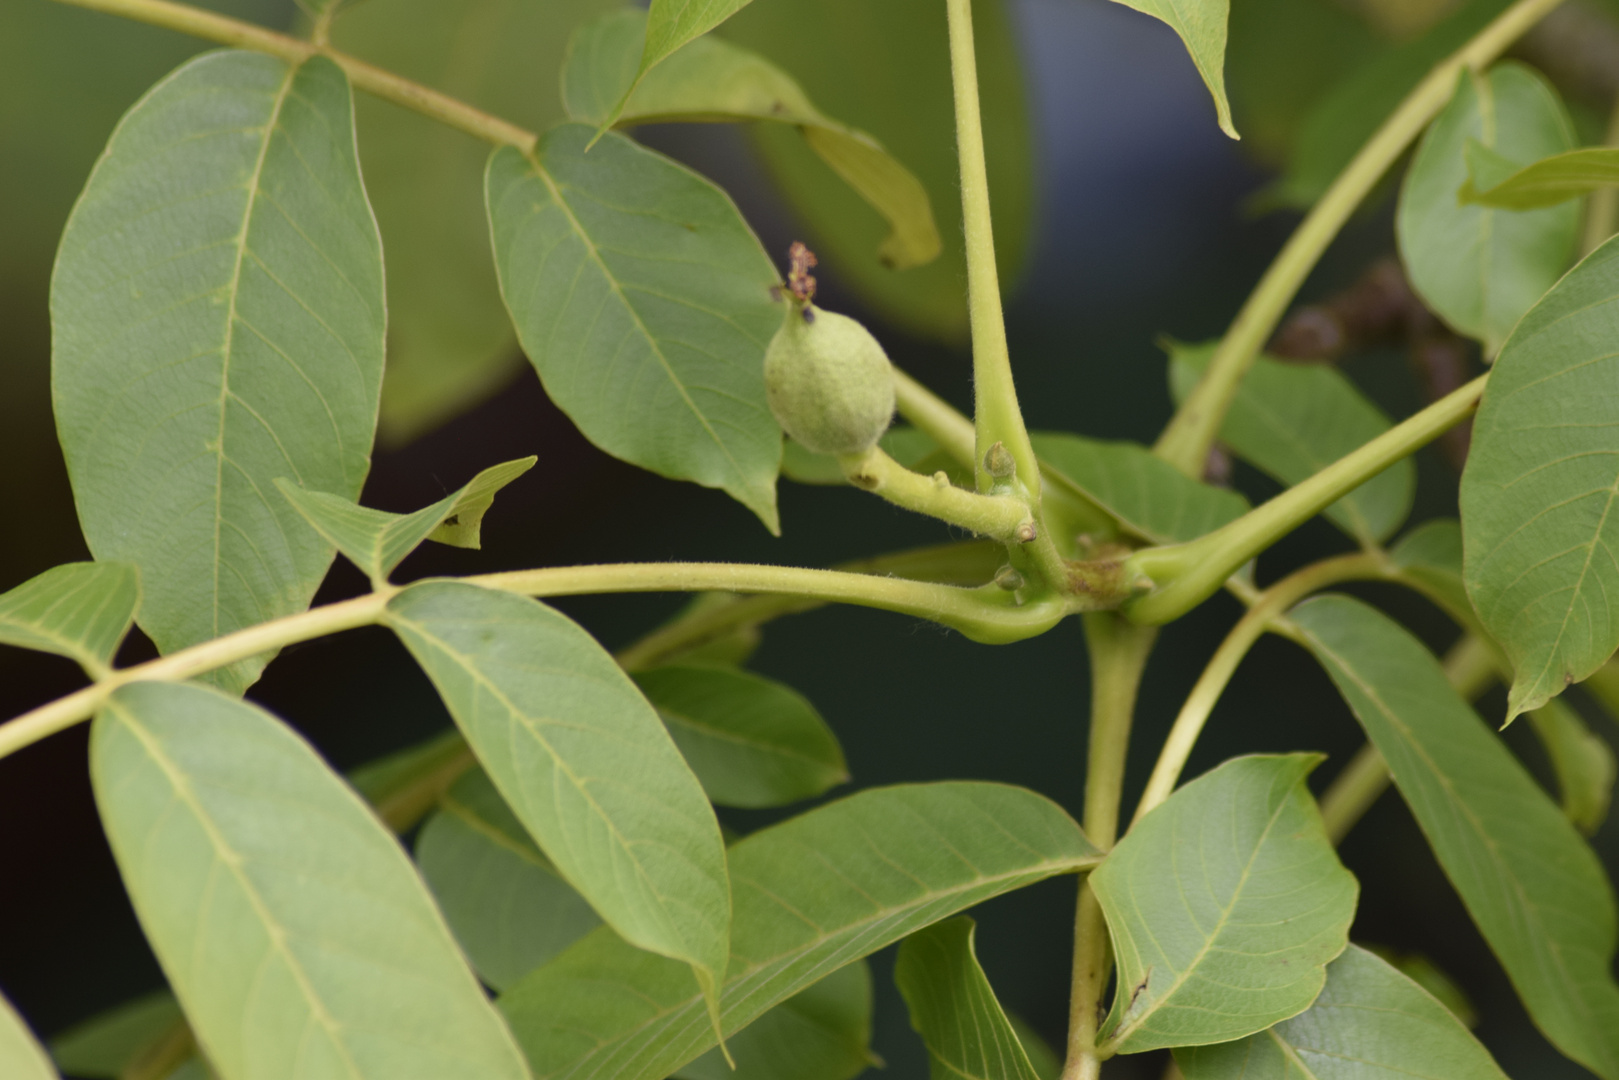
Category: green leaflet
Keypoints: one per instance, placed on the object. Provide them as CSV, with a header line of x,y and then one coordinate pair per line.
x,y
21,1057
1541,484
217,313
713,80
377,541
822,1032
1147,496
582,759
1481,269
1529,881
290,924
954,1008
78,610
509,909
753,742
812,894
644,301
671,24
1341,122
1582,761
450,342
1546,182
1201,25
1430,556
1293,420
1370,1023
1225,905
884,68
105,1045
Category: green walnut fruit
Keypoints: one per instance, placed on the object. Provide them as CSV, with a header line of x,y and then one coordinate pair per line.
x,y
829,383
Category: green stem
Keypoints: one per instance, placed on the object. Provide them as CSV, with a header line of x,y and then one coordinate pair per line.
x,y
1212,683
987,615
1603,684
1185,442
1118,653
997,417
1602,207
1184,575
1002,517
1471,666
373,80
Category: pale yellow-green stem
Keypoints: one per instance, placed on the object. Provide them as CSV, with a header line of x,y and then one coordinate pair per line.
x,y
996,415
1602,206
1184,575
985,614
1211,684
1185,442
1002,517
367,77
1118,653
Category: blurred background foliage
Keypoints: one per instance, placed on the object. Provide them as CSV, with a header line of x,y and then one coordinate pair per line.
x,y
1122,214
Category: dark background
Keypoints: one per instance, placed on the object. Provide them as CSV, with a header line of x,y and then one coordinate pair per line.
x,y
1142,231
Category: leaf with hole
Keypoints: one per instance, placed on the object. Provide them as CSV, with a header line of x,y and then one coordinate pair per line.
x,y
217,313
292,927
1531,884
582,759
1146,495
713,80
753,742
1370,1023
884,68
78,610
823,1032
377,541
1290,421
1479,268
1225,905
509,908
1540,494
644,301
1201,25
812,895
450,341
954,1009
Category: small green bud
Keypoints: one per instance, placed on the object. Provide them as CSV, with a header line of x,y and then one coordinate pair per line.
x,y
1009,579
999,463
829,383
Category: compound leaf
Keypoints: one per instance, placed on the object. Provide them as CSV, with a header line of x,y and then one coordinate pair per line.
x,y
450,341
812,895
714,80
582,759
1540,493
509,908
21,1056
78,610
1480,269
884,68
1370,1023
753,742
954,1009
217,313
822,1032
1547,182
1201,25
1225,905
1293,420
1146,495
377,541
290,924
1531,884
644,301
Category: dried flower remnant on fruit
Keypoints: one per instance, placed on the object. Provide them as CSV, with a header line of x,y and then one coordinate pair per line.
x,y
828,381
